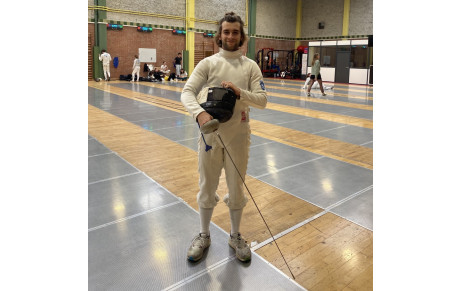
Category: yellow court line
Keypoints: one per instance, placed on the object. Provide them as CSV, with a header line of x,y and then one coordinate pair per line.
x,y
174,166
164,103
323,101
339,150
362,88
350,120
332,93
334,117
296,82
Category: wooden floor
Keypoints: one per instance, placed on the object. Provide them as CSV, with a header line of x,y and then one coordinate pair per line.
x,y
326,252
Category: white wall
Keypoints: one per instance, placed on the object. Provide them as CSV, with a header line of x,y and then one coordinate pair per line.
x,y
330,12
327,74
361,17
358,76
276,18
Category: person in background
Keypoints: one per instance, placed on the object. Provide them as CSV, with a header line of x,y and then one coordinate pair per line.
x,y
136,68
315,85
178,63
164,68
315,74
183,75
105,58
157,75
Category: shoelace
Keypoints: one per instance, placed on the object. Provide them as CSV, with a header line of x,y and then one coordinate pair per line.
x,y
241,242
199,241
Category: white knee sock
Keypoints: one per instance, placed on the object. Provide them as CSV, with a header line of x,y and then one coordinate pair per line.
x,y
205,219
235,218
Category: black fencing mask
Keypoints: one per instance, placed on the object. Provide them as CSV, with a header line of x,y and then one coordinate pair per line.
x,y
219,103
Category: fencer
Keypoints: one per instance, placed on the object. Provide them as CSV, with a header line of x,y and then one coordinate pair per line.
x,y
105,58
228,69
315,84
136,68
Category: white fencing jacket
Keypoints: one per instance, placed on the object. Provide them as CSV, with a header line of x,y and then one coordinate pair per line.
x,y
243,72
105,58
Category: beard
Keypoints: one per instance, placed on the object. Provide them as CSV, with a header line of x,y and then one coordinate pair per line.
x,y
230,47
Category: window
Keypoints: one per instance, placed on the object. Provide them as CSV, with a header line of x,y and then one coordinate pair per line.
x,y
328,55
343,48
359,56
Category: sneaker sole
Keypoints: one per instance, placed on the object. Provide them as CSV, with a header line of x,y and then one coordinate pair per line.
x,y
194,260
190,258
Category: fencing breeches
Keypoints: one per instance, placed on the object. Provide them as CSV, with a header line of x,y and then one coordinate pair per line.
x,y
210,166
136,71
106,71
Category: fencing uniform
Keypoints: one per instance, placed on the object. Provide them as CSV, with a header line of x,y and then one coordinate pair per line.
x,y
235,133
106,58
136,68
315,85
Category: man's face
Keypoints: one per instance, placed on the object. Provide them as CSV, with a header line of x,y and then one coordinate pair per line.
x,y
230,36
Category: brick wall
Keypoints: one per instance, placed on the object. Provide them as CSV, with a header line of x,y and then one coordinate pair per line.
x,y
125,44
91,44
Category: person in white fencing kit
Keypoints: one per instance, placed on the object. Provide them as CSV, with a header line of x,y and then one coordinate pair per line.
x,y
105,58
136,68
231,70
315,84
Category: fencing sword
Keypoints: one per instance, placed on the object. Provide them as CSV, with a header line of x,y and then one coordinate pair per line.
x,y
212,126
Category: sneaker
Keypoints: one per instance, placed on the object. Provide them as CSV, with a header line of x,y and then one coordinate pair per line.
x,y
243,252
308,94
324,94
199,244
303,87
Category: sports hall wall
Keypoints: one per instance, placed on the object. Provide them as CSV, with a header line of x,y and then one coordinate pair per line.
x,y
276,24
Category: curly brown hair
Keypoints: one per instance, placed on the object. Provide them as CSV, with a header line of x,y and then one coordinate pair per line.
x,y
230,17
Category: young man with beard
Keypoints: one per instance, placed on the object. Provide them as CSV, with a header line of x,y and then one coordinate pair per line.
x,y
228,69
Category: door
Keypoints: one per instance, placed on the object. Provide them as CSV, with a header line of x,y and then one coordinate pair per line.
x,y
342,69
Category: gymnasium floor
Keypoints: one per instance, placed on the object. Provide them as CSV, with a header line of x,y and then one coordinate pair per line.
x,y
310,172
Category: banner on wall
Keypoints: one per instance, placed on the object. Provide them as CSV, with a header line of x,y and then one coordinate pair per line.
x,y
147,55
